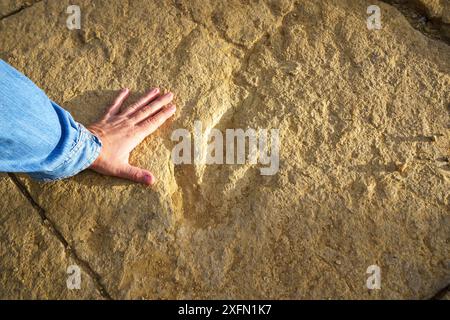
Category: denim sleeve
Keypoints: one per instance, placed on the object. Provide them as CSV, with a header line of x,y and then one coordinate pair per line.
x,y
37,136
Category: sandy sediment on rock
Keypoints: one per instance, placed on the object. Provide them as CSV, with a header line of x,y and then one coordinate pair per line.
x,y
33,262
363,120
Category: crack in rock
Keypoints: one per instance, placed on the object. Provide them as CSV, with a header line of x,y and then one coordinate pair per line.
x,y
419,18
441,293
54,230
19,9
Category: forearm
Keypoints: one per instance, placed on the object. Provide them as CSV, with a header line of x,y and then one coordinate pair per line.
x,y
36,135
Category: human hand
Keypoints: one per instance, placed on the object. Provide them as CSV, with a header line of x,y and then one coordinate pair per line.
x,y
122,130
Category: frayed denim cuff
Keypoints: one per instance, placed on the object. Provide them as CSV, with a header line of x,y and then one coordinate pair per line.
x,y
83,153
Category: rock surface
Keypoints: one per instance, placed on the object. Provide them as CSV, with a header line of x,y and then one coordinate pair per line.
x,y
364,172
437,9
10,7
33,262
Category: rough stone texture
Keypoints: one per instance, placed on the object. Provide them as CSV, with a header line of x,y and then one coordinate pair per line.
x,y
33,264
8,7
364,122
446,296
438,9
431,17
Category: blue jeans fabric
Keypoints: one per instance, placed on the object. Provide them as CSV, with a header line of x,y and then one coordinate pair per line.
x,y
37,136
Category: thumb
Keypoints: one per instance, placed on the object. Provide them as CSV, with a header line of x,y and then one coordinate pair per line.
x,y
136,174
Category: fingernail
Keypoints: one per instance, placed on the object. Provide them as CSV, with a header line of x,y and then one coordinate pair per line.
x,y
172,107
149,179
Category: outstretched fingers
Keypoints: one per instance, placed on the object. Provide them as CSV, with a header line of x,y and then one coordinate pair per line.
x,y
115,107
152,123
151,109
144,100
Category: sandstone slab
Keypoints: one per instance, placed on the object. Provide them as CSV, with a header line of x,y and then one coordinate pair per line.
x,y
363,119
10,7
33,263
